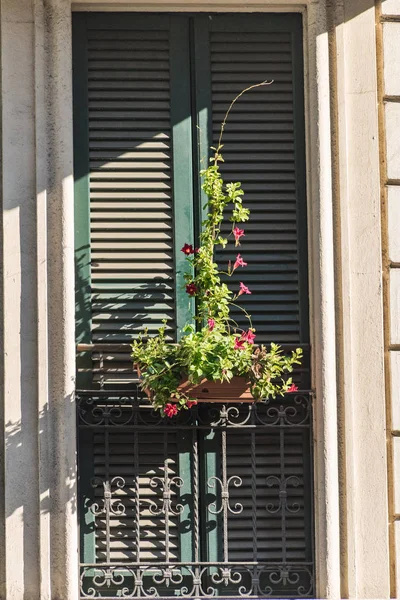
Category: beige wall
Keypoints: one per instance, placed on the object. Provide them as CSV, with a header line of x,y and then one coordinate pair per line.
x,y
38,556
359,303
38,553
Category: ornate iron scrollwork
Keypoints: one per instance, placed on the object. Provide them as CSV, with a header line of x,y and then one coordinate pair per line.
x,y
166,508
110,505
143,509
212,483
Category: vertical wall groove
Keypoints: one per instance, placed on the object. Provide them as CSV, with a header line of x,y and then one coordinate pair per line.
x,y
335,18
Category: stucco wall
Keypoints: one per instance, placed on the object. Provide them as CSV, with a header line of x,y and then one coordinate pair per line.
x,y
38,556
38,536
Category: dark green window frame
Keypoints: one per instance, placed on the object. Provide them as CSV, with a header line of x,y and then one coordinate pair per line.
x,y
191,108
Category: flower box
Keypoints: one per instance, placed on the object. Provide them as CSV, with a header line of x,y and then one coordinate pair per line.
x,y
235,391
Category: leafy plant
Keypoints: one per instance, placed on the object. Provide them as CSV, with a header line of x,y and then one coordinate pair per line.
x,y
215,348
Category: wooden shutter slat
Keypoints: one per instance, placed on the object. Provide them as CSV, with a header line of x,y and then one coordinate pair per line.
x,y
268,525
130,188
121,459
142,89
268,178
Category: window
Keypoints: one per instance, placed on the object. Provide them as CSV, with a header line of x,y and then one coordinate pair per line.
x,y
220,503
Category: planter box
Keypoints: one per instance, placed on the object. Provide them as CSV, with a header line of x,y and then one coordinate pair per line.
x,y
237,390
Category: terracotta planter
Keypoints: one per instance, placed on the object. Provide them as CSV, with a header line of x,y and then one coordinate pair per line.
x,y
236,391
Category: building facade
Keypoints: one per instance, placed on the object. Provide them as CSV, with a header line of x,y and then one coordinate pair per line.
x,y
338,89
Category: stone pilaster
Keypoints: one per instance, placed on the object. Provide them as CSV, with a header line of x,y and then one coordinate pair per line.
x,y
39,558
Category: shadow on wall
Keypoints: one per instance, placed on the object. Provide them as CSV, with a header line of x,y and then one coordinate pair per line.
x,y
16,456
21,435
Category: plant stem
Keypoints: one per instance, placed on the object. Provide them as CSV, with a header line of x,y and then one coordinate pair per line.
x,y
251,87
245,312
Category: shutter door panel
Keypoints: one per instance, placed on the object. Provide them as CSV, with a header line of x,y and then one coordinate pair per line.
x,y
130,182
141,212
259,151
115,456
262,522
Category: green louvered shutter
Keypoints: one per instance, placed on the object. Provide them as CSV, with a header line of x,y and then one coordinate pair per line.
x,y
263,148
150,94
130,182
260,151
125,455
132,127
132,102
130,121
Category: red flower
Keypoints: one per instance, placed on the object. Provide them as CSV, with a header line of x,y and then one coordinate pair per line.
x,y
238,234
293,388
187,249
239,262
239,344
191,403
211,324
191,289
196,250
170,410
248,337
243,289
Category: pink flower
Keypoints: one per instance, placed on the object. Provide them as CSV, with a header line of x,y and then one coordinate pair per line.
x,y
248,336
191,403
238,234
191,289
170,410
293,388
239,344
211,324
243,289
187,249
239,262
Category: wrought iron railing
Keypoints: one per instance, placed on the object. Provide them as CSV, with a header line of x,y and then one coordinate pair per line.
x,y
215,503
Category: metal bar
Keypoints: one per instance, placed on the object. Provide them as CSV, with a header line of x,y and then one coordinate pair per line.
x,y
282,492
254,491
231,597
167,501
137,494
107,491
126,348
196,516
126,393
196,520
187,427
155,565
225,497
